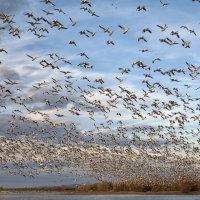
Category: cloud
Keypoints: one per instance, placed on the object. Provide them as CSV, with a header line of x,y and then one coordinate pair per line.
x,y
6,73
32,68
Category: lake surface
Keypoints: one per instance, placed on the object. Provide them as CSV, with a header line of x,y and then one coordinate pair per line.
x,y
100,197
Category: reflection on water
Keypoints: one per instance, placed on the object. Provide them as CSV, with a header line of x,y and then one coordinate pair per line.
x,y
100,197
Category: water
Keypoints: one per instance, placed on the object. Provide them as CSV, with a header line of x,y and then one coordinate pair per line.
x,y
100,197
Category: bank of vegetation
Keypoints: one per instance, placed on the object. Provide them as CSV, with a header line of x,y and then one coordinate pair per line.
x,y
62,188
132,186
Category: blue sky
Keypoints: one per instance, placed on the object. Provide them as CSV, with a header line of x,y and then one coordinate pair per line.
x,y
106,61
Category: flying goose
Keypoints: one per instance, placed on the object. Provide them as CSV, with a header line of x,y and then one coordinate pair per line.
x,y
33,23
124,70
40,35
59,58
72,42
30,14
100,80
185,44
139,63
146,67
124,29
120,80
65,72
83,33
164,40
145,30
145,50
139,8
89,66
171,42
85,78
3,50
184,27
192,31
111,32
83,54
32,29
164,4
84,8
11,82
59,10
175,33
110,42
47,12
86,2
104,29
93,13
48,1
10,20
163,28
153,61
61,27
43,30
73,22
33,58
142,38
92,33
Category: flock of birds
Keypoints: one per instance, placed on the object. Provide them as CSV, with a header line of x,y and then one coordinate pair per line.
x,y
34,140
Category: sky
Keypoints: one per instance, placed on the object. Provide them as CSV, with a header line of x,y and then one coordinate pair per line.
x,y
106,60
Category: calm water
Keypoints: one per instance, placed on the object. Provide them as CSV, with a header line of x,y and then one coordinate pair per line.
x,y
100,197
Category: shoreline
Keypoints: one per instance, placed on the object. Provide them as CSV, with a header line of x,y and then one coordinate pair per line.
x,y
36,192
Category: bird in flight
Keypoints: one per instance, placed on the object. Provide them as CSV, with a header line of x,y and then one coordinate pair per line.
x,y
163,28
47,12
164,4
139,8
32,58
48,1
73,22
124,29
59,10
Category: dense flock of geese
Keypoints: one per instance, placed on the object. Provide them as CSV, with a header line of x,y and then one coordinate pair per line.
x,y
35,140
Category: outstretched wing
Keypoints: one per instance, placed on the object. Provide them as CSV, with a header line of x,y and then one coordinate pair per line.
x,y
102,27
29,56
159,26
121,27
71,19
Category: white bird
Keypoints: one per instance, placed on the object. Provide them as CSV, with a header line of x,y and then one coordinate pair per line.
x,y
163,28
110,42
142,38
145,50
48,1
33,58
59,10
47,12
124,29
153,61
146,29
164,4
73,22
124,70
141,8
72,42
185,44
104,29
92,33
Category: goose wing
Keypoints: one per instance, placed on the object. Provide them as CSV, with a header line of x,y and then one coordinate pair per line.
x,y
121,27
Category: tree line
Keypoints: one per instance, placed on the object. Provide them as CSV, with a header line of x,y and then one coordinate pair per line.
x,y
104,186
